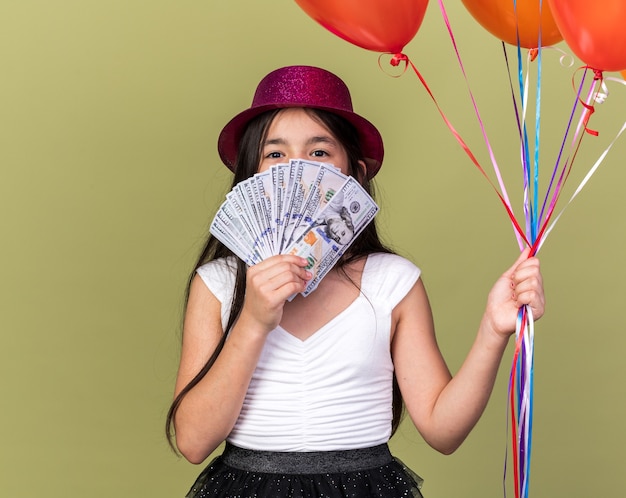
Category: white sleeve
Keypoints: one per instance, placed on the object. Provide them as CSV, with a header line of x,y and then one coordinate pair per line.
x,y
390,277
219,277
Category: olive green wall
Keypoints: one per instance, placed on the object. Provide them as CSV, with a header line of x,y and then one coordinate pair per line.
x,y
109,112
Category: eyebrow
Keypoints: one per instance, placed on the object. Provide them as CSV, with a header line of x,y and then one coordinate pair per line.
x,y
324,139
321,139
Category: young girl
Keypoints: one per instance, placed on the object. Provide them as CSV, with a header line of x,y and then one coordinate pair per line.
x,y
306,393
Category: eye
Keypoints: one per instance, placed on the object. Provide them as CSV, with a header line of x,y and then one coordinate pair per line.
x,y
319,153
273,155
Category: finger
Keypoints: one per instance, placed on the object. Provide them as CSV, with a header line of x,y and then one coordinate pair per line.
x,y
280,275
533,302
277,264
292,258
291,274
281,258
523,256
529,283
530,292
529,270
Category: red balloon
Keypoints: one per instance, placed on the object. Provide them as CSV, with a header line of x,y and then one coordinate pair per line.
x,y
379,25
509,20
595,30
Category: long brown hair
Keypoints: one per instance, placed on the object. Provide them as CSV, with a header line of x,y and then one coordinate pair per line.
x,y
248,159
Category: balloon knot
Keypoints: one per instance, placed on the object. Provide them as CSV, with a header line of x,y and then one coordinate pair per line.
x,y
597,74
398,58
533,53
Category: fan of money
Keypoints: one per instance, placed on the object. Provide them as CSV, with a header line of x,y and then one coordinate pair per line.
x,y
305,208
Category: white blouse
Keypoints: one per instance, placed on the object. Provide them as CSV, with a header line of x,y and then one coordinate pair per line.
x,y
332,391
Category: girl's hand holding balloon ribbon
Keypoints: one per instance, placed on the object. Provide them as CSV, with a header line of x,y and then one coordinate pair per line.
x,y
521,285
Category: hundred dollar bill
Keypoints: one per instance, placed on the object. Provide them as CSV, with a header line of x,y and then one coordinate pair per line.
x,y
239,206
280,177
336,226
244,221
262,189
303,176
304,207
227,226
328,181
243,194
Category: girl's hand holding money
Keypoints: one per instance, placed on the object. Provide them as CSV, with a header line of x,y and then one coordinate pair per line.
x,y
268,285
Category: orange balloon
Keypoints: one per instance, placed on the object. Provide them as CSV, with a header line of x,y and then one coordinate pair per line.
x,y
506,19
594,30
379,25
624,74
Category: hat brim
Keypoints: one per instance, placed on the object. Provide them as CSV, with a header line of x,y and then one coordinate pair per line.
x,y
370,139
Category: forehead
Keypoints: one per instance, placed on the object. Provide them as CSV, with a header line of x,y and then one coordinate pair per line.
x,y
291,117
